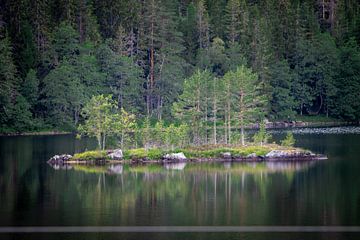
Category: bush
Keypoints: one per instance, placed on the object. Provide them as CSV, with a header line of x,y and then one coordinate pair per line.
x,y
289,140
262,136
90,155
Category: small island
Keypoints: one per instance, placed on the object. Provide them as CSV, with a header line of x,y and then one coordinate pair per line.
x,y
206,153
174,143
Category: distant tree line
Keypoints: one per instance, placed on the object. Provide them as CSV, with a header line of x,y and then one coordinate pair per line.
x,y
301,57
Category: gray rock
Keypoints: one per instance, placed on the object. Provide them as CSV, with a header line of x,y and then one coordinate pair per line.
x,y
251,155
277,153
117,154
175,156
226,155
59,159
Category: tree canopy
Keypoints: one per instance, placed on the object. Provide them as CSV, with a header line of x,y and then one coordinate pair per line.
x,y
148,55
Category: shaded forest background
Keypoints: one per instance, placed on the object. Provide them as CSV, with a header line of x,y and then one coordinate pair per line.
x,y
56,54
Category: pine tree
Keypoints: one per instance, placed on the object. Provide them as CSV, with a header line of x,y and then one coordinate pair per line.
x,y
9,81
192,106
282,99
30,88
246,102
64,96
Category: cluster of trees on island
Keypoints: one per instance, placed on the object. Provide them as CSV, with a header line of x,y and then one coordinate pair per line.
x,y
104,120
214,64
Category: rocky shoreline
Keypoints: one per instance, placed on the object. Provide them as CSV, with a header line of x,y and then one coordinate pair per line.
x,y
116,156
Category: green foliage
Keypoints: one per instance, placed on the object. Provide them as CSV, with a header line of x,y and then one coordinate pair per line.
x,y
261,137
243,100
21,116
282,101
192,105
64,96
289,140
8,82
142,153
30,88
216,152
65,52
103,120
89,155
65,43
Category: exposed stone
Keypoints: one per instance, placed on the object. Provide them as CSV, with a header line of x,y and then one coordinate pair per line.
x,y
251,155
175,156
226,155
117,154
277,153
59,159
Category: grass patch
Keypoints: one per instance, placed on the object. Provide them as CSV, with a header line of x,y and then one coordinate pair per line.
x,y
206,151
90,155
316,118
237,151
142,153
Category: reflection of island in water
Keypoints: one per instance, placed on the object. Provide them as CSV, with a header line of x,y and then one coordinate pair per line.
x,y
253,168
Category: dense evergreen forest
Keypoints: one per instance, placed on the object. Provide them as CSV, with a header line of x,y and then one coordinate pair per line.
x,y
178,59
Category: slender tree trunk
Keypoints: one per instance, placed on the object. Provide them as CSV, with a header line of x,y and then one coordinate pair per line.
x,y
215,111
242,117
229,120
199,119
98,137
148,99
122,139
206,120
152,77
225,128
104,143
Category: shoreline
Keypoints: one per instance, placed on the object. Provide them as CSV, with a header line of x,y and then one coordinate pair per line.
x,y
304,158
210,153
269,125
41,133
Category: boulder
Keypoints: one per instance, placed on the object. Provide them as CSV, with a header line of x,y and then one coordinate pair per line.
x,y
117,154
277,153
175,156
251,155
59,159
226,155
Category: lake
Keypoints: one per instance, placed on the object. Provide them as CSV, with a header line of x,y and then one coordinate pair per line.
x,y
324,193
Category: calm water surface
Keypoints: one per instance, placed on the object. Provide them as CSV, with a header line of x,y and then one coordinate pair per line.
x,y
33,193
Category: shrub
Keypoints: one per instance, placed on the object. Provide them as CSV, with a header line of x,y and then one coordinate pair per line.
x,y
262,136
289,140
90,155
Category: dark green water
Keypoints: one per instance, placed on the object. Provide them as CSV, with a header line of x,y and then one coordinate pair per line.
x,y
34,194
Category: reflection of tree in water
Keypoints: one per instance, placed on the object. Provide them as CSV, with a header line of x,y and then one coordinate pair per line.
x,y
198,194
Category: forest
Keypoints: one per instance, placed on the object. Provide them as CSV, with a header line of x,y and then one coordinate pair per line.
x,y
203,62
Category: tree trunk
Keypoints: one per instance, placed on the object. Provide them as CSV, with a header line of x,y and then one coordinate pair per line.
x,y
225,129
229,121
215,111
241,117
122,139
152,77
98,137
104,143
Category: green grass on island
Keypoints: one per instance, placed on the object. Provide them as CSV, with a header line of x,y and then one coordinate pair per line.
x,y
205,151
